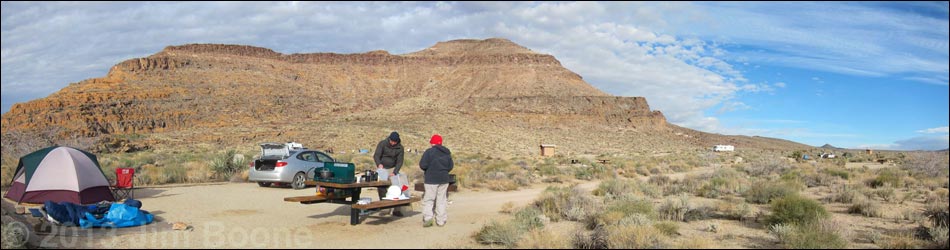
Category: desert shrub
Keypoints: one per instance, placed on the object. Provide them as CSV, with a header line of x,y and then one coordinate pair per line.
x,y
734,210
845,194
628,206
931,164
502,184
763,192
887,193
635,237
681,210
570,203
840,173
724,181
766,167
543,239
618,187
865,207
507,208
625,211
549,170
528,218
502,233
510,232
697,242
660,180
596,239
223,165
899,241
782,232
667,228
938,214
691,184
172,174
675,210
887,176
938,236
813,235
796,210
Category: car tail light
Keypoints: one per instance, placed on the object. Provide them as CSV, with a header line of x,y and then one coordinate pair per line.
x,y
250,164
281,164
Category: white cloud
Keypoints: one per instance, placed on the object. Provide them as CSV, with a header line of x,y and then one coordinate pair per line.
x,y
915,143
938,130
780,85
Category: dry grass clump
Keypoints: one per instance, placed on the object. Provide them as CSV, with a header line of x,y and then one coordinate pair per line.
x,y
823,234
696,242
846,193
866,207
617,187
766,166
543,239
899,241
635,237
494,174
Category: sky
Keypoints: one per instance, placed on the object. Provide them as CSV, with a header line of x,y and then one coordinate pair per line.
x,y
850,74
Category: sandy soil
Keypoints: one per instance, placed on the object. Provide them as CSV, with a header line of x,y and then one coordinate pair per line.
x,y
243,215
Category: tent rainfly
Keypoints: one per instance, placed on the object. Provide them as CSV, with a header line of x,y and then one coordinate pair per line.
x,y
59,174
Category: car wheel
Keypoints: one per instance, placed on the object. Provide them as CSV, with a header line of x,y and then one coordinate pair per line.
x,y
263,184
299,181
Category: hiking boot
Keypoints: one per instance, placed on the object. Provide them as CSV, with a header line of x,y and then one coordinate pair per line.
x,y
428,223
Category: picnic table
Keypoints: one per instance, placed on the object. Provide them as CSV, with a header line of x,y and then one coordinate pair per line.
x,y
354,194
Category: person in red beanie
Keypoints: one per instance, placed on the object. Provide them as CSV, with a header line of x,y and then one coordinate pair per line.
x,y
436,162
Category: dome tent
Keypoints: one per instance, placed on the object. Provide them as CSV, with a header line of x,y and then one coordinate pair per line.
x,y
59,174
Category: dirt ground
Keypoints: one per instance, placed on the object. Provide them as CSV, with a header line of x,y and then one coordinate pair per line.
x,y
243,215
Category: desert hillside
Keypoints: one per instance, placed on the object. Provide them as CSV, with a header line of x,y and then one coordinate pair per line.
x,y
491,96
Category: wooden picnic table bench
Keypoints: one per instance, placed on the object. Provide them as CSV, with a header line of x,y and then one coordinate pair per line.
x,y
355,190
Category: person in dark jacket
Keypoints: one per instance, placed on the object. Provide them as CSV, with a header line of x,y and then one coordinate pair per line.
x,y
436,162
388,155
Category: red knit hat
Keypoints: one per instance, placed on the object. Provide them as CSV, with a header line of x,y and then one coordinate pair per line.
x,y
436,139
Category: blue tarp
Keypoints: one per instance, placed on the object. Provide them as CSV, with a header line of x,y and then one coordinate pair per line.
x,y
119,215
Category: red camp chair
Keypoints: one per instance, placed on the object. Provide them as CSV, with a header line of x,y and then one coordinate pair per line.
x,y
123,183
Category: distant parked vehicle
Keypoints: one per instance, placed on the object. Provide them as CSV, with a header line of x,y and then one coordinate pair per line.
x,y
289,163
721,148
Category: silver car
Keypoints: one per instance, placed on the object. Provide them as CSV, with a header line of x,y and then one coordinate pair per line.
x,y
284,163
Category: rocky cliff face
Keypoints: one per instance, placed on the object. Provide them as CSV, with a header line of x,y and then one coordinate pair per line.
x,y
214,86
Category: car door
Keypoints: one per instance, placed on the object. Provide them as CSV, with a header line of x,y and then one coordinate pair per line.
x,y
321,157
309,162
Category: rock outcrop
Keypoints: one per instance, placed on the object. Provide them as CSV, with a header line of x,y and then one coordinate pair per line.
x,y
214,85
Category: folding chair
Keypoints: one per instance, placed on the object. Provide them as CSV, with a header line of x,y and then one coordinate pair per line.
x,y
123,183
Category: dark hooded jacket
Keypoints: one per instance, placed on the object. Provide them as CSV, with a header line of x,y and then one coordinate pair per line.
x,y
388,155
437,163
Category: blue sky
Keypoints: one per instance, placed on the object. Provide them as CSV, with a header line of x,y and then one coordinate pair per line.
x,y
851,74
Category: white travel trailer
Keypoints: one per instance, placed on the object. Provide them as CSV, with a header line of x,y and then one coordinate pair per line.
x,y
722,148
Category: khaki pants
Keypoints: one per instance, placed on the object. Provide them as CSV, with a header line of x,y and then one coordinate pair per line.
x,y
435,196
